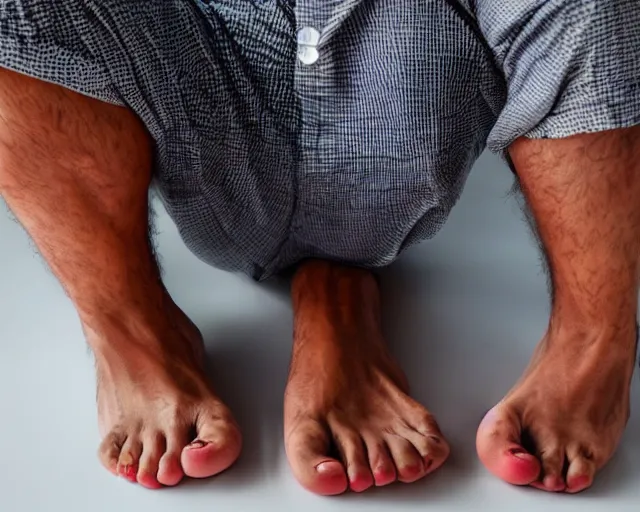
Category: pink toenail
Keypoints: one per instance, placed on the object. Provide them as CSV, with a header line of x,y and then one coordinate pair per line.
x,y
414,470
328,468
355,479
360,483
149,481
197,444
578,482
384,474
520,453
553,483
130,473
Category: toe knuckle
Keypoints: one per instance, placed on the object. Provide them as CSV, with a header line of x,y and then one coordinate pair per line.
x,y
388,430
426,424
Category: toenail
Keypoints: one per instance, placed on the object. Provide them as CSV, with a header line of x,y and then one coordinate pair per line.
x,y
415,469
126,459
519,452
197,444
427,464
357,477
553,483
384,472
578,482
328,468
129,472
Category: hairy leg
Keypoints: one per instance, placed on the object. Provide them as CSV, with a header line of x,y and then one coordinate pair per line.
x,y
349,422
76,173
564,419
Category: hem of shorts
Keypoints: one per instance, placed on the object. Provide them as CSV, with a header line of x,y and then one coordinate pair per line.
x,y
109,95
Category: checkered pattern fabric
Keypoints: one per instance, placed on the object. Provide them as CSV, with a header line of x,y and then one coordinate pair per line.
x,y
354,152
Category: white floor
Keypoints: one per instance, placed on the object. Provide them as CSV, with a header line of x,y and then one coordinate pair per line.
x,y
463,313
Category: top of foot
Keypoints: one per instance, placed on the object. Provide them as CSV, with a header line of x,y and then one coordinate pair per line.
x,y
563,421
159,417
349,422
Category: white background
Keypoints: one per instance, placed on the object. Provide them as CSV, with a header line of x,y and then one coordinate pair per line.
x,y
463,313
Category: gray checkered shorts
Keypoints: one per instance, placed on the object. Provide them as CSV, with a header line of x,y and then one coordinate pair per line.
x,y
337,129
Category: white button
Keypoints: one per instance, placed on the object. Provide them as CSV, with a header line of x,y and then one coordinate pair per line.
x,y
308,36
308,55
308,39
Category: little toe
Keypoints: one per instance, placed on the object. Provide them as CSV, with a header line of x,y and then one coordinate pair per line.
x,y
424,433
130,458
433,448
215,449
307,447
109,451
409,463
498,443
380,461
581,471
352,450
153,449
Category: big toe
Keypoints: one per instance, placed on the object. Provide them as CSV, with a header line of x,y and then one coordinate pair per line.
x,y
215,449
307,447
499,447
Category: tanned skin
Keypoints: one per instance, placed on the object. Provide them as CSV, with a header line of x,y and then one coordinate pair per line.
x,y
76,172
564,419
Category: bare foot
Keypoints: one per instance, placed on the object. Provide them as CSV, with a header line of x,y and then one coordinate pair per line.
x,y
564,419
158,416
349,422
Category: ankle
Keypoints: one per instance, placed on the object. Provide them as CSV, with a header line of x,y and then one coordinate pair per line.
x,y
330,291
139,304
159,328
602,336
